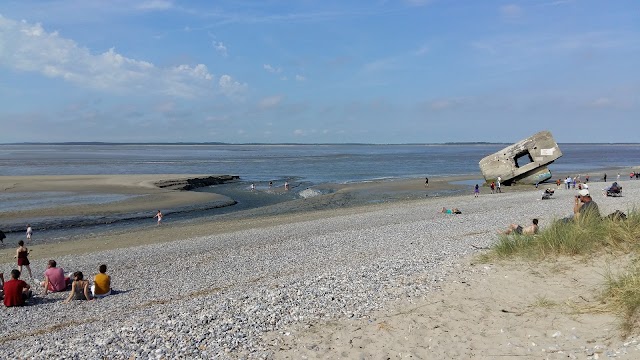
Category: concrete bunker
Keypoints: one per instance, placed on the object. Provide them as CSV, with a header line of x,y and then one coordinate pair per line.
x,y
524,162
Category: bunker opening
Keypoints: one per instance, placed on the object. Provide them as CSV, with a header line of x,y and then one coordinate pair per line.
x,y
522,159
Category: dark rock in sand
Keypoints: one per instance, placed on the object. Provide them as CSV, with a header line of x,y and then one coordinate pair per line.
x,y
194,183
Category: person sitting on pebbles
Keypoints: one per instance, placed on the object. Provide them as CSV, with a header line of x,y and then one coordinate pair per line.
x,y
54,279
518,229
79,288
101,283
16,291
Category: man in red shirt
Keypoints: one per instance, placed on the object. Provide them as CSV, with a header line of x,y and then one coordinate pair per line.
x,y
16,291
54,279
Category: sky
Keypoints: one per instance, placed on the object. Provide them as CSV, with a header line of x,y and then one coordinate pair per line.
x,y
319,71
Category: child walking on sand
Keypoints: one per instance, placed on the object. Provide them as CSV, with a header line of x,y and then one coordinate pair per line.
x,y
476,190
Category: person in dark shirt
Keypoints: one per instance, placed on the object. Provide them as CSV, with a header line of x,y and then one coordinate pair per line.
x,y
584,206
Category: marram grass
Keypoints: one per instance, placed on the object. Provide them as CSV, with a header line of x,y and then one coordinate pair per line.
x,y
583,238
571,238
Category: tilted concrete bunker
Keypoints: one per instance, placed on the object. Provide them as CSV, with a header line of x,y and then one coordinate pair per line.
x,y
524,162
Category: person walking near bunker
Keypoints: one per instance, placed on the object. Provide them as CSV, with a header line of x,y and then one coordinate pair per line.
x,y
499,184
476,190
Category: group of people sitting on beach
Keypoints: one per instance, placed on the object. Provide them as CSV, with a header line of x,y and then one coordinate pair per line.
x,y
16,292
583,206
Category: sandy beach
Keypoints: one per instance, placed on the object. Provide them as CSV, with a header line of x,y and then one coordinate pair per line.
x,y
382,280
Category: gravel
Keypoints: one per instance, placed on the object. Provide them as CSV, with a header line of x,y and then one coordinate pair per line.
x,y
215,296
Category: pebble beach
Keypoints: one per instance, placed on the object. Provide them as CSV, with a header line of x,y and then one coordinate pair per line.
x,y
235,294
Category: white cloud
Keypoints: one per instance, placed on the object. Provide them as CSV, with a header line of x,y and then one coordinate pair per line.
x,y
271,69
422,50
511,12
602,102
300,78
27,47
299,132
380,65
220,47
231,87
270,102
417,2
155,5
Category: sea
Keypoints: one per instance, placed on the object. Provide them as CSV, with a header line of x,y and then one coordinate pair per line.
x,y
304,166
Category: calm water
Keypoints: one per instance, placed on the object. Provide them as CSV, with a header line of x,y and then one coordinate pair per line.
x,y
302,165
309,163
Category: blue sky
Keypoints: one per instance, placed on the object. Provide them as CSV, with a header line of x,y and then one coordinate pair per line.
x,y
405,71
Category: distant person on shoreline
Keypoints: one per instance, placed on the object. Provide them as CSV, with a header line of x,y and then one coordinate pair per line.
x,y
29,232
286,185
253,186
604,178
493,187
54,279
517,229
16,291
426,182
21,254
270,184
2,237
79,288
476,190
159,217
101,283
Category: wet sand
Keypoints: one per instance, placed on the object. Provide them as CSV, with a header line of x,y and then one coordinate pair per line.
x,y
342,199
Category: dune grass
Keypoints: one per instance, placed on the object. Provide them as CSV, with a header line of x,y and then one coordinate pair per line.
x,y
622,296
587,237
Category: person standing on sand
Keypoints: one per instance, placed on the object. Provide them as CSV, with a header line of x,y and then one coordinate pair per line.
x,y
29,232
159,216
21,254
2,237
493,187
426,182
498,184
286,185
476,190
